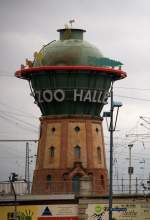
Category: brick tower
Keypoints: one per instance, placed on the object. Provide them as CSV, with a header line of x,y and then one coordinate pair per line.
x,y
70,81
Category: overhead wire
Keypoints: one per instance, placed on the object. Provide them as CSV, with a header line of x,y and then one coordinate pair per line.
x,y
18,119
129,97
15,109
132,88
16,123
18,114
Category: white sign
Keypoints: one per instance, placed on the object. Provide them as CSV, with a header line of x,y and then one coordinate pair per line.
x,y
78,95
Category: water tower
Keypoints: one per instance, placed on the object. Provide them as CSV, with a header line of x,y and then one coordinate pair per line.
x,y
70,81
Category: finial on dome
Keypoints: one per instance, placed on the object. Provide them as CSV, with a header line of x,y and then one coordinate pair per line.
x,y
71,21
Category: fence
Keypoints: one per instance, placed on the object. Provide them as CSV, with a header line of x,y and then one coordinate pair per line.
x,y
138,186
120,186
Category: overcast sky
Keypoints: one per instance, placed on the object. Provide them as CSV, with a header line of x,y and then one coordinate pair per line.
x,y
120,29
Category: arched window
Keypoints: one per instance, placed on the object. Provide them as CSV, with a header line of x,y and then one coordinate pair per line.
x,y
52,151
49,178
102,180
53,129
99,157
97,130
77,152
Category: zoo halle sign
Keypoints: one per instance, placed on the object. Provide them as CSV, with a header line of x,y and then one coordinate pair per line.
x,y
81,95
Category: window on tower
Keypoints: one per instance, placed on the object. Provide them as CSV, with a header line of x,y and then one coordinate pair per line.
x,y
49,178
99,157
53,129
97,130
102,181
77,152
77,129
52,151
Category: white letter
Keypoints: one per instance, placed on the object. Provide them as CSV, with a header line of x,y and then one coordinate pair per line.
x,y
47,95
59,95
99,97
78,94
94,96
38,96
105,97
87,96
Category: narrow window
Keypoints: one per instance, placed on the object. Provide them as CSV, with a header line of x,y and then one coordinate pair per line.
x,y
102,180
52,151
97,130
77,152
76,183
99,153
53,129
49,178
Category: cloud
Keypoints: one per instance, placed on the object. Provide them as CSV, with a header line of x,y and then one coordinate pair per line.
x,y
120,29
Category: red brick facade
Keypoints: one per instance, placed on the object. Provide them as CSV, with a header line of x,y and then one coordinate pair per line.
x,y
59,164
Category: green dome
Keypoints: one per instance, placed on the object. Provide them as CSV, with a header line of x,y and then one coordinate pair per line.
x,y
70,76
70,50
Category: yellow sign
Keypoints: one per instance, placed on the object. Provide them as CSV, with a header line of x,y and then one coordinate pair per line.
x,y
39,212
133,212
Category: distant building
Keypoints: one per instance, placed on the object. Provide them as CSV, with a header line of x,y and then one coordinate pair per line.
x,y
19,186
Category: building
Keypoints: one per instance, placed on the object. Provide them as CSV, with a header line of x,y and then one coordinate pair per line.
x,y
70,81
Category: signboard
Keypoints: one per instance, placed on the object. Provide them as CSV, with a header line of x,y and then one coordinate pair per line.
x,y
40,212
129,211
76,95
117,209
126,210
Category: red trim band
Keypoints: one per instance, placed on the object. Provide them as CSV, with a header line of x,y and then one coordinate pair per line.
x,y
118,73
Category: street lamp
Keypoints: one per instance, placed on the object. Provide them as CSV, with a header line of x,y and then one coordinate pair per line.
x,y
130,168
111,129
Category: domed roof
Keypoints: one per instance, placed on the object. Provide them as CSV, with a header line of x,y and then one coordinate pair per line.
x,y
70,50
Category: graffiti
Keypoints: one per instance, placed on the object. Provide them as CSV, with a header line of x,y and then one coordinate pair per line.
x,y
26,215
99,213
39,56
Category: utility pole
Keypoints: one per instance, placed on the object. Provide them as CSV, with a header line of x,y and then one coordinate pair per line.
x,y
130,169
111,129
27,168
12,179
27,162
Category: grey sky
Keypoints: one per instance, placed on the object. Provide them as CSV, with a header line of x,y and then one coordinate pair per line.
x,y
120,29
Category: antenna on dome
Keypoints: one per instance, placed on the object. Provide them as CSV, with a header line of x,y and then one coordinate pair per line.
x,y
71,21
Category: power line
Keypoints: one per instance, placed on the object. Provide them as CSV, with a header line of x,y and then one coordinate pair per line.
x,y
1,75
15,109
17,123
19,120
18,114
18,140
129,97
132,88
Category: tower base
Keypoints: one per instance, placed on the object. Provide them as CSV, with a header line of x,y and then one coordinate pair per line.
x,y
70,147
